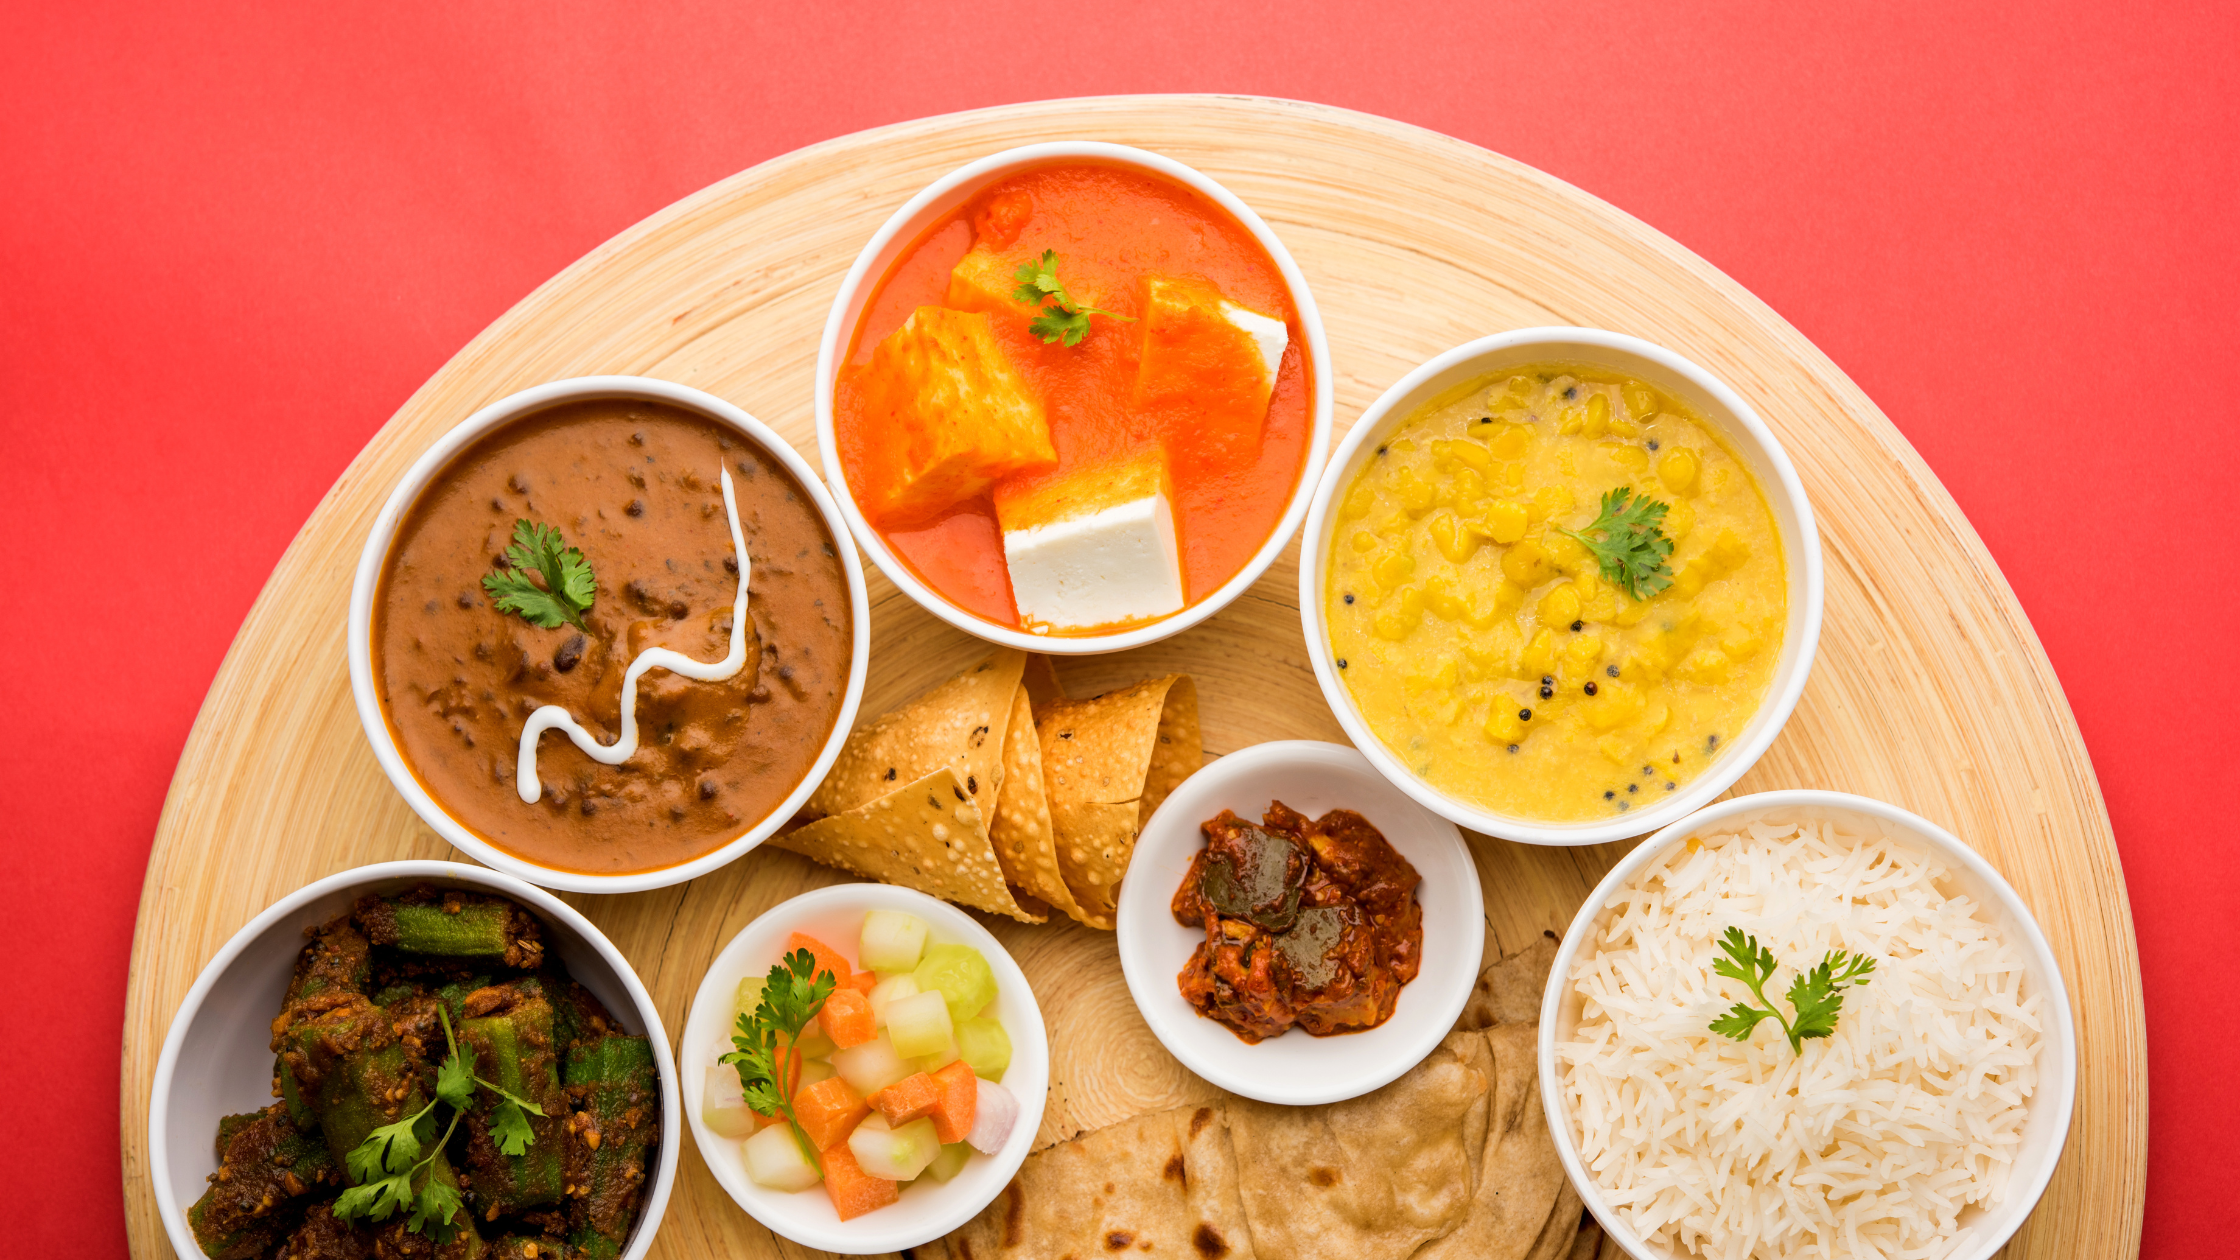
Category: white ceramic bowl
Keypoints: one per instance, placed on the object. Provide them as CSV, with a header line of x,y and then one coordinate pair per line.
x,y
1297,1069
2043,1133
376,554
925,1212
217,1058
1750,441
902,231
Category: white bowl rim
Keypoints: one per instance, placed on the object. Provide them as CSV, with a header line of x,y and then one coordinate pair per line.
x,y
1782,692
376,553
2057,1061
862,1236
1435,1022
159,1095
987,170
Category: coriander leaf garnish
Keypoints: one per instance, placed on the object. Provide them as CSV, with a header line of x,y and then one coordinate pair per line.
x,y
1633,548
794,994
569,586
1817,994
1063,319
388,1163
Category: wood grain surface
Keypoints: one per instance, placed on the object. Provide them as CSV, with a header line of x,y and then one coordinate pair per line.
x,y
1930,691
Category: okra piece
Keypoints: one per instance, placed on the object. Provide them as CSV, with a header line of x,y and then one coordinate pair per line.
x,y
323,1237
522,1247
312,1038
576,1015
447,923
513,1049
617,1092
590,1244
371,1088
338,959
266,1168
230,1125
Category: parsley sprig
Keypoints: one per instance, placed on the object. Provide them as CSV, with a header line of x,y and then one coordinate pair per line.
x,y
792,997
1817,994
1062,319
389,1162
569,586
1633,548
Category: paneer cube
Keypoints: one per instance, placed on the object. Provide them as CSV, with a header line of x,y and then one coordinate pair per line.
x,y
986,278
949,414
1205,352
1095,547
983,280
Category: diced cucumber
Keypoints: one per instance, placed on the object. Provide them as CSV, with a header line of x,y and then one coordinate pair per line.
x,y
894,1154
774,1159
962,976
939,1059
812,1071
749,995
892,941
870,1067
919,1024
950,1161
723,1107
982,1043
886,991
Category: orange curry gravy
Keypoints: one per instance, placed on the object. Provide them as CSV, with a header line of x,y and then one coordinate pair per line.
x,y
633,484
1110,227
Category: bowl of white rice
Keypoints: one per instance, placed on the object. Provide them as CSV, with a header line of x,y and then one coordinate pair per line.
x,y
1923,1125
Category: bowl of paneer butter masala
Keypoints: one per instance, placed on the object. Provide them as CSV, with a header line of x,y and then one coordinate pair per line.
x,y
608,634
1561,585
1072,397
415,1058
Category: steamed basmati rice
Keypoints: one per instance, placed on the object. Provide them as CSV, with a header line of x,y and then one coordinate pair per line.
x,y
1869,1143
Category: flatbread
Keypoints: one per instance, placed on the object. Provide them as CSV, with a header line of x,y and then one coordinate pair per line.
x,y
928,835
1370,1178
1025,842
1517,1181
1109,761
958,725
1509,989
1163,1184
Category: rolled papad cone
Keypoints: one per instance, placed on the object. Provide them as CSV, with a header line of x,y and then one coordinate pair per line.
x,y
1109,760
928,835
912,795
1025,839
958,725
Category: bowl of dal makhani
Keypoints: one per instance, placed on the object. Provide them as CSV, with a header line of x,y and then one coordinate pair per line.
x,y
608,634
1072,397
1806,1023
1561,585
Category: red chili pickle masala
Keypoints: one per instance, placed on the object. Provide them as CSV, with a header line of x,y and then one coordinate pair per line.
x,y
1117,235
634,485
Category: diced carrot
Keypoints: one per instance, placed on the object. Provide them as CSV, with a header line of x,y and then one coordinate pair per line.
x,y
828,1110
864,982
828,958
854,1191
847,1018
956,1102
906,1099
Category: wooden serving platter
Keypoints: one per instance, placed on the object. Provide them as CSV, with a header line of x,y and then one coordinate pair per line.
x,y
1931,690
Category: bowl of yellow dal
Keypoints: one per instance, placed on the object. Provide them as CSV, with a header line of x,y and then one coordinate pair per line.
x,y
1561,585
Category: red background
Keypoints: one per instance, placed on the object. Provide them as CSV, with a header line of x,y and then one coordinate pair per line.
x,y
234,238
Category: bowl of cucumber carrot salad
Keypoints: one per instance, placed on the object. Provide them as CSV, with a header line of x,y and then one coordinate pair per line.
x,y
864,1068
